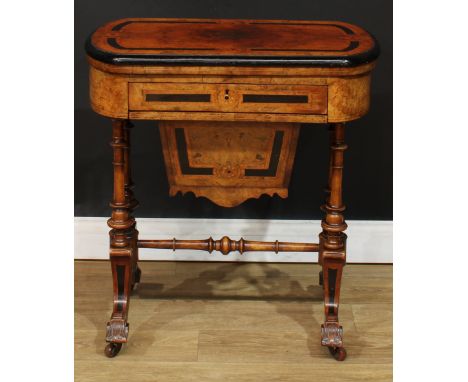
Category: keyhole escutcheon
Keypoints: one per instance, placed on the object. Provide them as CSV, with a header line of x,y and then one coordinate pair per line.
x,y
226,94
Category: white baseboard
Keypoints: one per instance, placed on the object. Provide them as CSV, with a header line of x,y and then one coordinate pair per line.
x,y
368,241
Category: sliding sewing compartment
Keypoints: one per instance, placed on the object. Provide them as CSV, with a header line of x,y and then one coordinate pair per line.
x,y
239,98
229,162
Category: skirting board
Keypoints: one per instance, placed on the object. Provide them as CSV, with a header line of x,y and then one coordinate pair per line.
x,y
368,241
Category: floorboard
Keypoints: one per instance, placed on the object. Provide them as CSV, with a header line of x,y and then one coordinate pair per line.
x,y
233,322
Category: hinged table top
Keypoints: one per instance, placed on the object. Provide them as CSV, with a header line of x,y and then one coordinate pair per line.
x,y
152,41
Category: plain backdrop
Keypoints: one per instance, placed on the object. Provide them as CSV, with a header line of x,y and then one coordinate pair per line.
x,y
368,161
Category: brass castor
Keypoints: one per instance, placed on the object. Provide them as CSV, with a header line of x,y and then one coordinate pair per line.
x,y
338,353
321,278
112,349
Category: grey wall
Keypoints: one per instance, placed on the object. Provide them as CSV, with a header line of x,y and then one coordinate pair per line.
x,y
368,161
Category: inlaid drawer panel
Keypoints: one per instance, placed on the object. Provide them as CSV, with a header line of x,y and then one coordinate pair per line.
x,y
294,99
229,162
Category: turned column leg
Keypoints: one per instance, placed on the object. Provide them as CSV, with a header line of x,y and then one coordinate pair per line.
x,y
122,241
331,139
132,203
332,246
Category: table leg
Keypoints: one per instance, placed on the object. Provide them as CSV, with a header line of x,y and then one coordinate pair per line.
x,y
133,203
331,133
123,238
332,246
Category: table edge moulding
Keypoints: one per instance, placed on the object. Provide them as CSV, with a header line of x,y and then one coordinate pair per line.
x,y
229,97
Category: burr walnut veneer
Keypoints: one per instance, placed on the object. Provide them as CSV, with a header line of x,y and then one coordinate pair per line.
x,y
229,97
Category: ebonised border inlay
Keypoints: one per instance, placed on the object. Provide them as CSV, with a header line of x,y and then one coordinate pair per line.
x,y
274,98
342,27
119,27
352,45
178,97
332,273
120,269
113,42
185,168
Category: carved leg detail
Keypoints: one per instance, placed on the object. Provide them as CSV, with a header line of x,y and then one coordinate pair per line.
x,y
117,327
332,246
117,331
332,331
332,334
123,240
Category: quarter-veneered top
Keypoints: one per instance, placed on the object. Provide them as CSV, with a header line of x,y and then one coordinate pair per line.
x,y
151,41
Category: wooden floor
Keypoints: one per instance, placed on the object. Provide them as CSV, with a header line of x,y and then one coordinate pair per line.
x,y
233,322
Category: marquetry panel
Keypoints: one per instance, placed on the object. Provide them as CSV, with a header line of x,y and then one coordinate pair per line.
x,y
147,41
229,162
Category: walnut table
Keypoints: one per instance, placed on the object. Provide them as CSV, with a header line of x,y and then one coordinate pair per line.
x,y
229,97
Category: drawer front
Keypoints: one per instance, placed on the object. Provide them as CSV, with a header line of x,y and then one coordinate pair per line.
x,y
173,97
293,99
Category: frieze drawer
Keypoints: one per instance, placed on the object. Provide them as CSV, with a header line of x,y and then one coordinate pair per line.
x,y
293,99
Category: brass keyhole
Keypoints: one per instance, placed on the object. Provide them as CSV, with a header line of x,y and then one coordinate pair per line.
x,y
226,94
